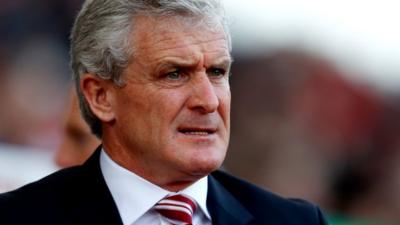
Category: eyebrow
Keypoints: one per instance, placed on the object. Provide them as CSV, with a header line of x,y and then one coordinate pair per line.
x,y
177,61
223,61
182,62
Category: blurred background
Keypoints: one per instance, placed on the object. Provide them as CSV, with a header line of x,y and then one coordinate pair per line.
x,y
315,100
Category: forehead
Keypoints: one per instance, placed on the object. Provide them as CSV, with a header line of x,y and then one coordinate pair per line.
x,y
158,36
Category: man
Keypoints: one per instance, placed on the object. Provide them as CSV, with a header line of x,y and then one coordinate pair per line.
x,y
153,85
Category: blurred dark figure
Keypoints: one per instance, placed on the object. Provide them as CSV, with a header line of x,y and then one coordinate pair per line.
x,y
366,185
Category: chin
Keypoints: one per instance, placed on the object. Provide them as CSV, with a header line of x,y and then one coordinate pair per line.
x,y
204,166
200,159
204,170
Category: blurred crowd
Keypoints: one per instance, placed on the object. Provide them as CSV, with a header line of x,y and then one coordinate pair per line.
x,y
299,126
34,86
34,69
302,129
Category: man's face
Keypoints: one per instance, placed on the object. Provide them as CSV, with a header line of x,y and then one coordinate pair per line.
x,y
173,114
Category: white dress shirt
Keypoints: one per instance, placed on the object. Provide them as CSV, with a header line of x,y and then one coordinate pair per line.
x,y
135,196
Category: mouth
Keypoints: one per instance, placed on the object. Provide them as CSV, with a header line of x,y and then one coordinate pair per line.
x,y
197,131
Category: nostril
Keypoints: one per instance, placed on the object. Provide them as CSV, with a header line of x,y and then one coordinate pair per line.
x,y
204,105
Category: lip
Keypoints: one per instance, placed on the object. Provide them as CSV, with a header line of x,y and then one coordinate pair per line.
x,y
196,131
197,138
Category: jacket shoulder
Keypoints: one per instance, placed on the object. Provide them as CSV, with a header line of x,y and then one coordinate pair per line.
x,y
269,206
42,196
47,185
77,195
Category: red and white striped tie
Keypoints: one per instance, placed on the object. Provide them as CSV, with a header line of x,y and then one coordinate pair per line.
x,y
177,209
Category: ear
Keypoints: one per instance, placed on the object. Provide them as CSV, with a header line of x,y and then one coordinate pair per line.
x,y
99,94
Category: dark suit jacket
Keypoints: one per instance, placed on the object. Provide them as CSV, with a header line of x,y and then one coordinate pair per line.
x,y
79,196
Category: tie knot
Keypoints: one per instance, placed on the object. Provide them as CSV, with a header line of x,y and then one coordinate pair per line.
x,y
177,209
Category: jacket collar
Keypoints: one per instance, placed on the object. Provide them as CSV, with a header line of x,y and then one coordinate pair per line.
x,y
96,205
224,208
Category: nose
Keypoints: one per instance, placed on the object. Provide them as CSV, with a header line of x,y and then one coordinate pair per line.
x,y
203,96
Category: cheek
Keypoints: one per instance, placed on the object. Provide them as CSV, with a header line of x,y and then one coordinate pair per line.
x,y
172,102
225,103
165,109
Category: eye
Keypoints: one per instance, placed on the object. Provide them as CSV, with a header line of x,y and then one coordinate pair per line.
x,y
174,75
216,72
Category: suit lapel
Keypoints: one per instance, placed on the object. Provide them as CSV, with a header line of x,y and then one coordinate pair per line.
x,y
224,208
93,203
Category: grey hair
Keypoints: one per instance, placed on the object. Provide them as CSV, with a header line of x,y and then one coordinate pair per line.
x,y
100,39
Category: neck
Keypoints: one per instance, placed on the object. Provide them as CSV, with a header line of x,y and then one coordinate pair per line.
x,y
163,178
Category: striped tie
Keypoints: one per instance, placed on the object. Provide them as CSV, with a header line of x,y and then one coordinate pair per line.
x,y
177,209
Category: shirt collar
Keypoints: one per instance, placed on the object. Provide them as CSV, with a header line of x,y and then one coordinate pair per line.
x,y
134,195
198,191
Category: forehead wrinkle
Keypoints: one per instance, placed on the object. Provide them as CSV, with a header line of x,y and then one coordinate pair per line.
x,y
166,29
174,38
169,29
219,61
192,45
181,45
193,52
194,49
176,60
